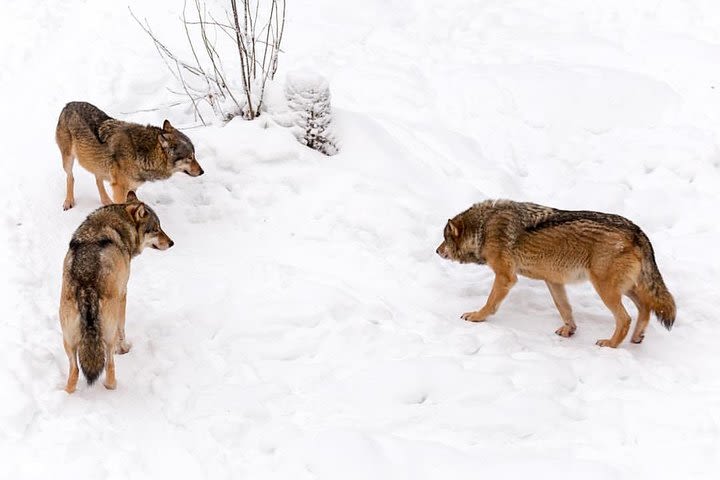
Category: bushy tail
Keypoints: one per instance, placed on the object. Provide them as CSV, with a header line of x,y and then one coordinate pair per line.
x,y
660,299
91,351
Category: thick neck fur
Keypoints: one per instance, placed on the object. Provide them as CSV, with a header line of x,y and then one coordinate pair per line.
x,y
152,160
470,242
506,218
111,224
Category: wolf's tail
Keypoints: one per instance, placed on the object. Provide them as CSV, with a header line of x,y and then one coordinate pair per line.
x,y
91,351
653,287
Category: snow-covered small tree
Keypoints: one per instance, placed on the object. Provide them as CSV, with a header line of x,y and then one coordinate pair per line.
x,y
310,114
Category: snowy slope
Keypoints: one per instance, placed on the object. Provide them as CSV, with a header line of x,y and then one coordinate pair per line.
x,y
303,327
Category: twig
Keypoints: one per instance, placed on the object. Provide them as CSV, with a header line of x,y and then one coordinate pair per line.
x,y
197,110
246,37
246,82
154,109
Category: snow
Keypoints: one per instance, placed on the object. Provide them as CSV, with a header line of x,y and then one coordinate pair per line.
x,y
302,326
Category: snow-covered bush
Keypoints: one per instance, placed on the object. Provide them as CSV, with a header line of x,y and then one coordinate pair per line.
x,y
310,114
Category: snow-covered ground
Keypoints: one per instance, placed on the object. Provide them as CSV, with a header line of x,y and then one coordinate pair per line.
x,y
303,327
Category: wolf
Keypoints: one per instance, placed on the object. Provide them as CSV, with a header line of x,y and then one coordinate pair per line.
x,y
560,247
94,286
124,154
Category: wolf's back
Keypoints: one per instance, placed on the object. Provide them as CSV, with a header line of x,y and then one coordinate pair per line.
x,y
82,121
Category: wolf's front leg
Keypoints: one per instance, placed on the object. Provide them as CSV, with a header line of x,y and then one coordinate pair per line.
x,y
504,281
104,197
559,296
120,191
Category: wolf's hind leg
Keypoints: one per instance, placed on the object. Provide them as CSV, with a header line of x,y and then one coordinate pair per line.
x,y
123,346
559,296
110,380
72,380
612,298
68,160
104,197
108,311
643,317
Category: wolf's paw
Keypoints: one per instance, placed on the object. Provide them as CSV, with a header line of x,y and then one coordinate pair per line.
x,y
68,204
474,316
110,385
106,201
638,339
123,348
565,331
70,388
605,343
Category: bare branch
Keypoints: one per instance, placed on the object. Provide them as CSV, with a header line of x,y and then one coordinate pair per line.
x,y
257,43
278,41
192,45
246,79
194,104
154,109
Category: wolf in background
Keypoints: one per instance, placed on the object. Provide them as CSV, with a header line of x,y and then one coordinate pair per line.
x,y
560,247
124,154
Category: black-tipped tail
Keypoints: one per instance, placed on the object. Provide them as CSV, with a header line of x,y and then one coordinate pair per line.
x,y
664,308
661,300
91,351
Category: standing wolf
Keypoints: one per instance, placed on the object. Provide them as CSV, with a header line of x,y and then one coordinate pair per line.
x,y
124,154
94,288
560,247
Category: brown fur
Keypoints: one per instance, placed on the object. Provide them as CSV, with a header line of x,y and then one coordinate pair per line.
x,y
561,247
124,154
94,288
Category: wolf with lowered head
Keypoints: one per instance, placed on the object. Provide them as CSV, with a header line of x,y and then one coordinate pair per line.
x,y
124,154
559,247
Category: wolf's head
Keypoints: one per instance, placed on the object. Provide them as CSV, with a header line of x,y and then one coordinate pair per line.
x,y
461,244
179,150
148,225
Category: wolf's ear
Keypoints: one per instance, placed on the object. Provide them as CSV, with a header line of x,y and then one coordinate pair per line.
x,y
163,142
455,228
166,126
131,197
137,211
